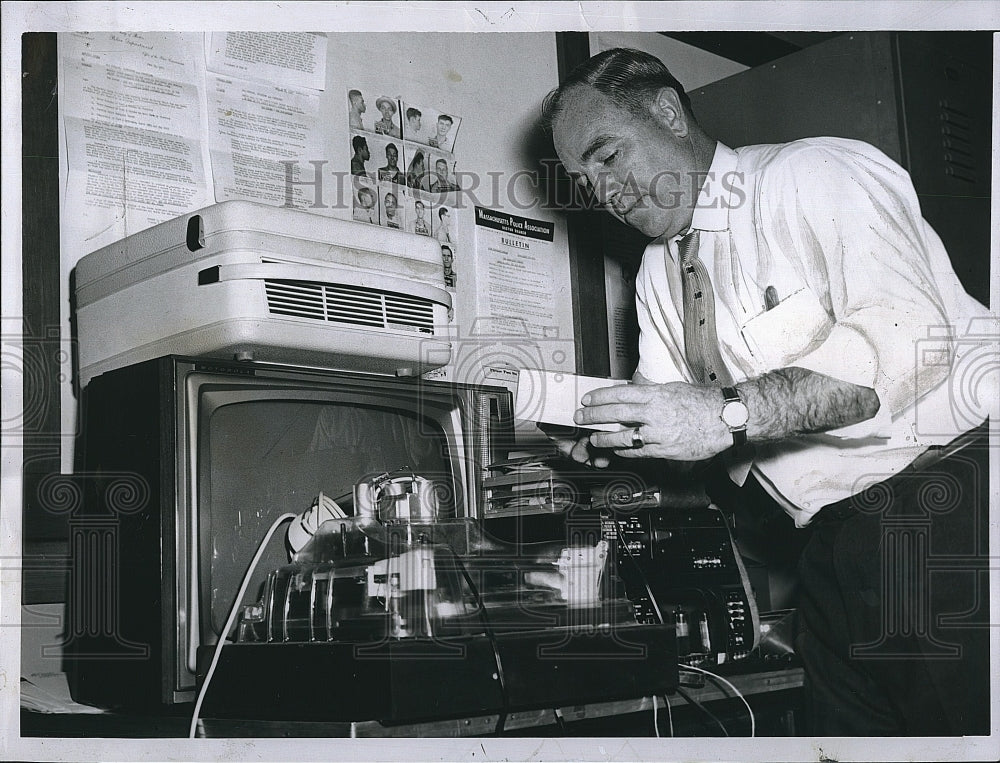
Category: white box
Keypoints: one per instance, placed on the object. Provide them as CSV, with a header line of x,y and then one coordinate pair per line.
x,y
552,397
265,283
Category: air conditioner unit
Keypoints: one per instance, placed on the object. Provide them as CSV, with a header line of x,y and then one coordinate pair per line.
x,y
272,284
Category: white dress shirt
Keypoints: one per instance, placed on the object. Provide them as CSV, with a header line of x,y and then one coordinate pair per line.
x,y
866,294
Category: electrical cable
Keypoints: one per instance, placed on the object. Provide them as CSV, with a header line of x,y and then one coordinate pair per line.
x,y
692,701
656,723
559,720
670,714
231,620
642,573
737,692
659,617
491,637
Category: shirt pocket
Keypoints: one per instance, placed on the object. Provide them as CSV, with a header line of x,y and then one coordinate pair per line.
x,y
795,326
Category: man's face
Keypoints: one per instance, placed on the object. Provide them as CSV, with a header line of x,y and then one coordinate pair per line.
x,y
367,200
641,170
386,109
358,102
390,204
419,208
443,126
391,155
414,123
447,257
441,167
446,218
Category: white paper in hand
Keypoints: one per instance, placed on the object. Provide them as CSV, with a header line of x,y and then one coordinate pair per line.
x,y
552,397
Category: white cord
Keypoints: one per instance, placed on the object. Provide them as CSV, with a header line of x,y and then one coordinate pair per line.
x,y
670,714
232,619
753,721
656,723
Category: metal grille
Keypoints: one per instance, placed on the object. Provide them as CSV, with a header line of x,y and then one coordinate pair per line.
x,y
354,305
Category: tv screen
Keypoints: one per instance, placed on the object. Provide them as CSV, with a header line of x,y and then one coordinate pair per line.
x,y
261,458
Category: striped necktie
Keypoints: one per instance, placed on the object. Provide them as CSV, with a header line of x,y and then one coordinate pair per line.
x,y
701,342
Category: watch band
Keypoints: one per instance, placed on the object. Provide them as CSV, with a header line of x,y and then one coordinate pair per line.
x,y
739,433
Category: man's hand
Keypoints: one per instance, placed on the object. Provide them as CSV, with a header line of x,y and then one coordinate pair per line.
x,y
675,421
571,444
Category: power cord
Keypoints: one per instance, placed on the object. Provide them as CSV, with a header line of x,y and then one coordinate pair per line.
x,y
642,573
491,636
559,720
659,617
692,701
231,620
670,714
717,678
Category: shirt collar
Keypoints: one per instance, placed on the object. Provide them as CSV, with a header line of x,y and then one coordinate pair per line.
x,y
711,211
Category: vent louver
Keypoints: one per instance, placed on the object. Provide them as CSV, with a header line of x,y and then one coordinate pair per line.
x,y
349,304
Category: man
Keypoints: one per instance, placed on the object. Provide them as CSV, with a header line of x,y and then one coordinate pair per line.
x,y
440,182
444,226
391,209
364,206
413,123
361,155
387,124
441,139
416,174
420,224
391,171
783,302
448,259
356,107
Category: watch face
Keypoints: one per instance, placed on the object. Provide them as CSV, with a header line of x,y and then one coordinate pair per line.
x,y
735,414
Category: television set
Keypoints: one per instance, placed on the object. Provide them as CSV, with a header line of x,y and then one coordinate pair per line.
x,y
188,461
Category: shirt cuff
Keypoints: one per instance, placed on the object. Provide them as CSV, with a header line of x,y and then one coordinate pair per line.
x,y
847,355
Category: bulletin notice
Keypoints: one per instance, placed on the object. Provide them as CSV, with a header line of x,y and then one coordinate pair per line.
x,y
514,259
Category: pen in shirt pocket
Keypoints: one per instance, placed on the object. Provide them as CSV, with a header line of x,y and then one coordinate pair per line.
x,y
770,298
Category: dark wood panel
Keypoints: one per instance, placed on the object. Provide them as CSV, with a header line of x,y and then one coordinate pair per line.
x,y
47,354
844,87
586,251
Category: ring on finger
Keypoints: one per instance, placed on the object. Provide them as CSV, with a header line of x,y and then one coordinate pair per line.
x,y
637,441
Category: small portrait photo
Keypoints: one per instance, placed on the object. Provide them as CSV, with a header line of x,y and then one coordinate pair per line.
x,y
360,156
442,226
418,174
441,171
448,264
393,204
356,109
413,123
388,123
441,130
419,215
386,159
365,200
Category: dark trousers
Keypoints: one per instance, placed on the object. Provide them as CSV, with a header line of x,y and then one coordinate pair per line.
x,y
894,604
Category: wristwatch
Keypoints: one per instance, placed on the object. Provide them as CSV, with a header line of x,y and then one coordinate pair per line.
x,y
735,415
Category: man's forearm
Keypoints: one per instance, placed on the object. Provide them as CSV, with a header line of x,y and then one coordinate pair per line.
x,y
792,401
